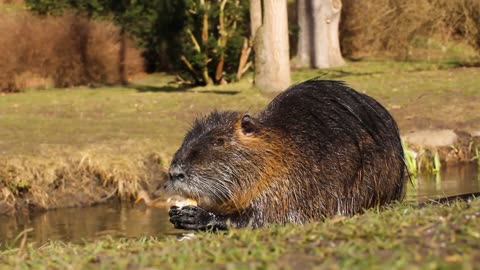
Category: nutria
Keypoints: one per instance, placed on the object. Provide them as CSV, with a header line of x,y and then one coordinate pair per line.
x,y
320,148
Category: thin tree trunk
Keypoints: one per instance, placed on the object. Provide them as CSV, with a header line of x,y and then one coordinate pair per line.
x,y
205,75
222,43
272,62
318,44
122,55
243,65
303,44
255,17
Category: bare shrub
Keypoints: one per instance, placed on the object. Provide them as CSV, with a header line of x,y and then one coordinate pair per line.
x,y
11,1
391,26
69,50
109,50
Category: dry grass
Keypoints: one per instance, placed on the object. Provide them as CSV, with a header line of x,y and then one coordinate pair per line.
x,y
66,51
61,177
397,26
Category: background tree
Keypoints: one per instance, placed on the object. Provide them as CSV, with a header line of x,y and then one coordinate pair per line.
x,y
318,40
149,21
204,40
272,62
214,44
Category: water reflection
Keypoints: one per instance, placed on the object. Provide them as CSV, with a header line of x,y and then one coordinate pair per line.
x,y
450,181
85,224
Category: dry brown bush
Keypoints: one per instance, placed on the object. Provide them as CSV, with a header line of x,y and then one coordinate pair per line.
x,y
68,50
391,26
11,1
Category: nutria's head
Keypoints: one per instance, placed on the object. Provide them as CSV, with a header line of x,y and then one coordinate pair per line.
x,y
220,160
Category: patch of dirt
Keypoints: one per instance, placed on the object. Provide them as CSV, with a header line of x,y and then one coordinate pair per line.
x,y
450,111
431,138
444,122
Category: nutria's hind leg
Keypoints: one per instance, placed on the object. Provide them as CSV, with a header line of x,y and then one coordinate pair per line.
x,y
192,217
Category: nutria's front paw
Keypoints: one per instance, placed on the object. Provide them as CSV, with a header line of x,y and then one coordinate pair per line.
x,y
192,217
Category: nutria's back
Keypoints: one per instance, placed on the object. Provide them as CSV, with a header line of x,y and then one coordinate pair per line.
x,y
349,140
318,149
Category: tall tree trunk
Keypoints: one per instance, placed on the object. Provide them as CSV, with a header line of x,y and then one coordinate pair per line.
x,y
255,17
272,62
222,43
318,41
303,46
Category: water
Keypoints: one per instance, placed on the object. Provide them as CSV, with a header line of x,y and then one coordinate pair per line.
x,y
451,181
78,225
86,224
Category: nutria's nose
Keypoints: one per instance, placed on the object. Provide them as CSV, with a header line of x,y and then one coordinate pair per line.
x,y
176,173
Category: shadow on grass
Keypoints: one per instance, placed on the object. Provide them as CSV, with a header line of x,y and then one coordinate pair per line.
x,y
180,88
166,88
219,92
450,64
463,64
334,74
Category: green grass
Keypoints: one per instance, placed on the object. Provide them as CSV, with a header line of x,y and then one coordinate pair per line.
x,y
417,93
82,116
117,129
109,130
400,237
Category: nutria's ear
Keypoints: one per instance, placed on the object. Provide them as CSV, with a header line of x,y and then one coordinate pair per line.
x,y
248,125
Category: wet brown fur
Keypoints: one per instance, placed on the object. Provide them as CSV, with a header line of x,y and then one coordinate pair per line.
x,y
270,160
319,149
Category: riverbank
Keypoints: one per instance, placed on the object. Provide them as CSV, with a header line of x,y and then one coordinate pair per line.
x,y
402,236
79,147
430,150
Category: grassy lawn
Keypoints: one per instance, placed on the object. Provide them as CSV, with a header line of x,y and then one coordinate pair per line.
x,y
81,146
80,117
110,134
399,237
55,141
155,112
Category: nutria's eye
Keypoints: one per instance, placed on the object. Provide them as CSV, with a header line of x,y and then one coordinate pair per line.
x,y
248,125
218,142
